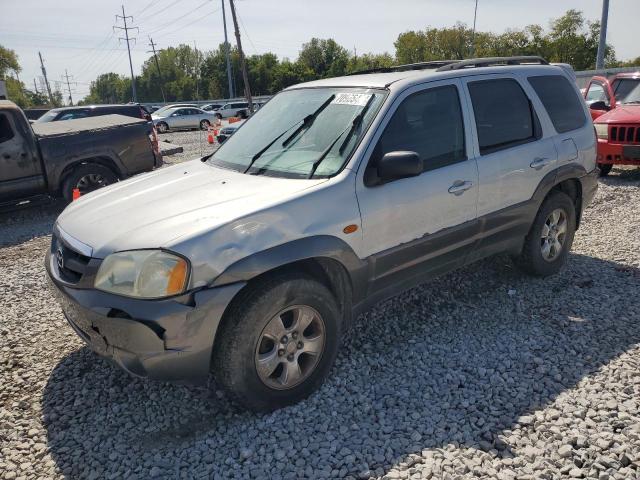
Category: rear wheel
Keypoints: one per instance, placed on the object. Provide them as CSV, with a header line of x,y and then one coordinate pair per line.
x,y
278,342
162,127
87,178
219,116
549,240
242,114
605,168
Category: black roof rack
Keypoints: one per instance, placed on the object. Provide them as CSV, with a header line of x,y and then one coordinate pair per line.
x,y
492,61
436,64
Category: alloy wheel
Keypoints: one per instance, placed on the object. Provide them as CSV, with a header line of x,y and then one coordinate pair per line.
x,y
89,183
554,234
290,347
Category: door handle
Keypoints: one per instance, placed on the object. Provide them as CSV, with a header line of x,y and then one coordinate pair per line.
x,y
540,162
459,187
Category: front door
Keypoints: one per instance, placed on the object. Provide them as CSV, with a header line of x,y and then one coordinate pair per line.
x,y
425,223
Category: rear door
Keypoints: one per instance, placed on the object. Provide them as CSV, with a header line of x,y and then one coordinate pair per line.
x,y
513,150
20,171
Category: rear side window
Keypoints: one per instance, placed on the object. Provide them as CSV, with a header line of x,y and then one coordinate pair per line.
x,y
428,123
503,114
561,102
6,132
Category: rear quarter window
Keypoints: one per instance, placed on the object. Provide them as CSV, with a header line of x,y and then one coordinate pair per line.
x,y
560,101
6,132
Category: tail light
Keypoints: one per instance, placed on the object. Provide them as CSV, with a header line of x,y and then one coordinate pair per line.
x,y
153,138
144,114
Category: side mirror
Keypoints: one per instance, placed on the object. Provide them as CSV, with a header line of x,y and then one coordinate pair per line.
x,y
599,105
400,164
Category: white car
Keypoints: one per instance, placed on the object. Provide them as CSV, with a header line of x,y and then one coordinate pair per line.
x,y
182,119
236,109
252,262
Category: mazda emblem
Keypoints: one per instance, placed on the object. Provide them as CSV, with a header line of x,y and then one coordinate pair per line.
x,y
60,258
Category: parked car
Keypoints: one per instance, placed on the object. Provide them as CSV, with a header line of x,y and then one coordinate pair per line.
x,y
212,107
160,110
237,109
226,132
69,113
338,193
615,109
182,119
55,158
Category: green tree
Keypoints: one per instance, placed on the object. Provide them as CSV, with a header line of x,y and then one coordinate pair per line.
x,y
8,62
369,61
324,57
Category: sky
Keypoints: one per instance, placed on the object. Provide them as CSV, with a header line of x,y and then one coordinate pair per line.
x,y
76,36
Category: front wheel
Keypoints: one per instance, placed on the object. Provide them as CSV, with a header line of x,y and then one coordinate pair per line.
x,y
550,237
204,124
162,127
278,342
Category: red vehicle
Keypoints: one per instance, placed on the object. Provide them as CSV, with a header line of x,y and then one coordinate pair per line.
x,y
615,110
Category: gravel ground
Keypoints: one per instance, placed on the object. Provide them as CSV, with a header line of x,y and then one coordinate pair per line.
x,y
194,143
481,373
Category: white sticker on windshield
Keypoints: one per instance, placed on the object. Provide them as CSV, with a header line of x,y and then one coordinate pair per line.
x,y
358,99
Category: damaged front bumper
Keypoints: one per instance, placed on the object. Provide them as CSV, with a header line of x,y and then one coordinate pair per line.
x,y
168,340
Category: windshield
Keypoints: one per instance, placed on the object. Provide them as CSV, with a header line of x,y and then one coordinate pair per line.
x,y
627,90
48,117
297,129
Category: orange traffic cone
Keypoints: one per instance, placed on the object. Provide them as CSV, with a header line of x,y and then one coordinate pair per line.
x,y
210,135
75,194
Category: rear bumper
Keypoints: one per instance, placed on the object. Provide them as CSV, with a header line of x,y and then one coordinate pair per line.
x,y
617,153
589,184
168,340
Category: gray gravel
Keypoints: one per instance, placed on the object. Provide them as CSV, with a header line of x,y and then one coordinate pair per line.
x,y
194,143
483,373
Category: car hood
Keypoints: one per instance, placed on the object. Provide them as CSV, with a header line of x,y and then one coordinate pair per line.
x,y
153,210
621,114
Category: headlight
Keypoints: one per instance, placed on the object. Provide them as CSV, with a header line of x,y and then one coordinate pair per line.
x,y
602,130
143,273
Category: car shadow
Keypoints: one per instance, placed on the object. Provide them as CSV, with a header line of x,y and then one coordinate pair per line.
x,y
457,361
19,224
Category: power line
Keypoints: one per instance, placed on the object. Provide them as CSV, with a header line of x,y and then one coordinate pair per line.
x,y
174,20
126,34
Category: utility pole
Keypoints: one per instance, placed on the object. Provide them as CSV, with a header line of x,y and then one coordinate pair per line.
x,y
35,86
602,44
243,65
473,36
66,76
46,81
226,52
153,49
126,37
197,72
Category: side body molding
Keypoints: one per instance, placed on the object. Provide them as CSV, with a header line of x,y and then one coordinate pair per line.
x,y
321,246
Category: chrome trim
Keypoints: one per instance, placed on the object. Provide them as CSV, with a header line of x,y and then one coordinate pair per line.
x,y
72,242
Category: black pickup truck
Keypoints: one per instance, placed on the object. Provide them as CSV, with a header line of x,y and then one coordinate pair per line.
x,y
57,158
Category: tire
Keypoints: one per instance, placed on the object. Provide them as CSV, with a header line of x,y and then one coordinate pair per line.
x,y
605,168
204,124
532,258
219,116
162,127
87,178
244,339
242,114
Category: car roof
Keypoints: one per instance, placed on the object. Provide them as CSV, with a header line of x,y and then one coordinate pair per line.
x,y
404,79
82,107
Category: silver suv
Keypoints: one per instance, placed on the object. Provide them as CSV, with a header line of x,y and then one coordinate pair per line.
x,y
251,263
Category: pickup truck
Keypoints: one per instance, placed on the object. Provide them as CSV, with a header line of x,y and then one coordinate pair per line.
x,y
615,110
57,158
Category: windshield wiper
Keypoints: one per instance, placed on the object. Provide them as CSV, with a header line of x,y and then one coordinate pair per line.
x,y
356,121
305,122
308,120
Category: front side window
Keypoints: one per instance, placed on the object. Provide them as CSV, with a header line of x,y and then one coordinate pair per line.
x,y
597,93
301,133
72,115
627,90
503,114
6,132
561,102
428,123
